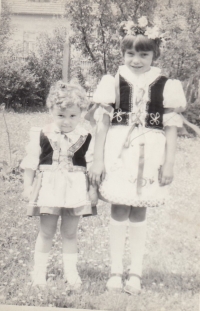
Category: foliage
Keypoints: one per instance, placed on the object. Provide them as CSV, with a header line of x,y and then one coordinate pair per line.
x,y
5,29
180,57
94,25
26,82
192,113
191,88
46,61
19,86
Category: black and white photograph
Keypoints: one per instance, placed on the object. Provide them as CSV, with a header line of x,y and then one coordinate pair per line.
x,y
99,155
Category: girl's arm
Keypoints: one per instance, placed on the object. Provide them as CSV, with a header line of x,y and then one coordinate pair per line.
x,y
166,174
28,180
96,172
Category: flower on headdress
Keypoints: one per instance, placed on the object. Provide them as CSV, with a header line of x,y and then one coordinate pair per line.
x,y
152,32
142,21
140,28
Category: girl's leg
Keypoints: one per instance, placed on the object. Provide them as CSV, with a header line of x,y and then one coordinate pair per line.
x,y
48,224
69,226
118,223
137,236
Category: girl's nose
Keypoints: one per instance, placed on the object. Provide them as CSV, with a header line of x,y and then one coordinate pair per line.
x,y
66,122
136,60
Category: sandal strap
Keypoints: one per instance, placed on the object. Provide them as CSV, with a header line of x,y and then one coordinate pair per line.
x,y
136,275
116,274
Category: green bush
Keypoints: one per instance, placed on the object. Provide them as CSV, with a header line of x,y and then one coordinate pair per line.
x,y
19,86
25,83
191,88
192,113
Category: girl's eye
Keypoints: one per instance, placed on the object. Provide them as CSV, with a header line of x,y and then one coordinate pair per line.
x,y
60,115
144,54
73,115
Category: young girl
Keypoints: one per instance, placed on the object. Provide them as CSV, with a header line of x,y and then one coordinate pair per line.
x,y
55,178
137,120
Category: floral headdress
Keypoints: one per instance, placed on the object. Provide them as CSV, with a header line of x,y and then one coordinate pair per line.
x,y
142,27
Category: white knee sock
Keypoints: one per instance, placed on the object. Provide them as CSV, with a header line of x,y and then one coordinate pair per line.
x,y
70,261
137,232
40,268
117,242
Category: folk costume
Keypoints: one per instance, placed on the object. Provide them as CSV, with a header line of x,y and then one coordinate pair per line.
x,y
139,108
60,160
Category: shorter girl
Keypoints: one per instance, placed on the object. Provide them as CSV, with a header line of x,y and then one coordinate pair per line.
x,y
55,178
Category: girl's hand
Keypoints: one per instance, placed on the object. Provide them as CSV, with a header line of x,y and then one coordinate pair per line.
x,y
96,173
93,195
27,192
166,174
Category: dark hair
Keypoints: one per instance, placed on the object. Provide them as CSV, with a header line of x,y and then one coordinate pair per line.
x,y
141,43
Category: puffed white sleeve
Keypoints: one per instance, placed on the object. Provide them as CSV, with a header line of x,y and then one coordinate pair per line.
x,y
104,97
175,100
33,150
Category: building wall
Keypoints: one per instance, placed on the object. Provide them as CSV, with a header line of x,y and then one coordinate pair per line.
x,y
27,27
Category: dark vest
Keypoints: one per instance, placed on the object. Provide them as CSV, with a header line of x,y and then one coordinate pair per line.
x,y
76,152
154,107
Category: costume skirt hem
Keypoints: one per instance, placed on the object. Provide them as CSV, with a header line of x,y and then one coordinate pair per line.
x,y
131,202
86,210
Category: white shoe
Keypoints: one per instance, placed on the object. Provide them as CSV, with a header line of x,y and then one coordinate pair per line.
x,y
133,285
39,276
115,282
40,269
73,279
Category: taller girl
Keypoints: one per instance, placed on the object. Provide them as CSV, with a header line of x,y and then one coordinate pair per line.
x,y
137,117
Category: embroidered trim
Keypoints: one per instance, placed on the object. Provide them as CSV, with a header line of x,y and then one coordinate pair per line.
x,y
154,118
73,149
149,99
118,115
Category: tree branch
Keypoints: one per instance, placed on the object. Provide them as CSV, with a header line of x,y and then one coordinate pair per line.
x,y
84,36
122,11
137,7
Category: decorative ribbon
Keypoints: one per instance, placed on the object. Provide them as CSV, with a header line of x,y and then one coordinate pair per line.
x,y
118,115
140,170
154,118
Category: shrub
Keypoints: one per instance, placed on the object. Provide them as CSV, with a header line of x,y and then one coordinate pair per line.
x,y
191,88
19,86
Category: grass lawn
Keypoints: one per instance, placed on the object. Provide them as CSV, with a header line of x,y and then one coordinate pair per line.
x,y
171,275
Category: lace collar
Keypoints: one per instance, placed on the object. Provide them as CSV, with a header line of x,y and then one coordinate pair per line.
x,y
51,131
139,80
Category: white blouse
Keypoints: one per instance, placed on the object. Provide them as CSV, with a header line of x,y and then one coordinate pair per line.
x,y
33,149
173,93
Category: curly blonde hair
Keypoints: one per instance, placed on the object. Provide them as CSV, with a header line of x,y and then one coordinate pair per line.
x,y
66,95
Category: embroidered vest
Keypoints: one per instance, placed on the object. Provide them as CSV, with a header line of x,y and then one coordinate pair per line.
x,y
75,154
154,108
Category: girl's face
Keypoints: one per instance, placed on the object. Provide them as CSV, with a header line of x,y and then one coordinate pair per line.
x,y
66,118
138,62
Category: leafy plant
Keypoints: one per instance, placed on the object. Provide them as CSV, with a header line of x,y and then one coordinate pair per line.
x,y
19,86
94,25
